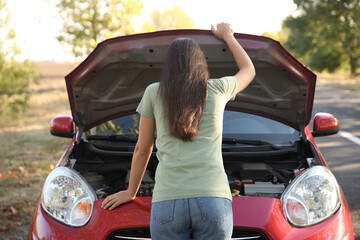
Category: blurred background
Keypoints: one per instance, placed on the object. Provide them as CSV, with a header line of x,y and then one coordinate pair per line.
x,y
43,40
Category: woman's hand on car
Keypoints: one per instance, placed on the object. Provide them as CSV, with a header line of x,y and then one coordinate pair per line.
x,y
223,30
116,199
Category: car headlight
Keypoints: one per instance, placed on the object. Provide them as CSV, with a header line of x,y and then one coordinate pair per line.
x,y
311,198
67,197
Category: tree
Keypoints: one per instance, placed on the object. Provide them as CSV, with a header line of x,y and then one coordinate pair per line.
x,y
280,36
88,22
325,34
15,77
173,18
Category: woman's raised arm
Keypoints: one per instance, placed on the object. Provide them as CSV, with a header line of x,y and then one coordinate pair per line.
x,y
246,68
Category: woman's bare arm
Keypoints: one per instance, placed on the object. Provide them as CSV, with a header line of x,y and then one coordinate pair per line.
x,y
246,68
142,153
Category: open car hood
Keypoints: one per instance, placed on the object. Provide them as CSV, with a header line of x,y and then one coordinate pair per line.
x,y
111,80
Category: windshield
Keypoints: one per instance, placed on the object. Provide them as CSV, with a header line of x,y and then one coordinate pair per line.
x,y
126,125
240,125
235,125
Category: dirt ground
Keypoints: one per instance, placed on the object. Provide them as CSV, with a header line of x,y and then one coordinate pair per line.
x,y
29,152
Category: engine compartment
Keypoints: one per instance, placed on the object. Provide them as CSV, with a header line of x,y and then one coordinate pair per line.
x,y
106,167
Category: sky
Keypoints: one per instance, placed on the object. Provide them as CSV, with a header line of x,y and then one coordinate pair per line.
x,y
37,22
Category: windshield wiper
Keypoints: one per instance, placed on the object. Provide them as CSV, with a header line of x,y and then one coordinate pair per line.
x,y
119,138
251,142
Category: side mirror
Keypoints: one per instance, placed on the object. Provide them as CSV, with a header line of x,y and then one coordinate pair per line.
x,y
62,126
325,124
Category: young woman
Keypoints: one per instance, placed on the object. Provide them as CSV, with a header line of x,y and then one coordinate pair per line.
x,y
191,187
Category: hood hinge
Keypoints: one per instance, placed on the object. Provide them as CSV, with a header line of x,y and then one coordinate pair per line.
x,y
303,135
305,141
78,121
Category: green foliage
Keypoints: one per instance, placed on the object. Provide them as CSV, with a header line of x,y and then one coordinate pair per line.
x,y
280,36
325,34
113,127
109,128
15,77
135,129
173,18
88,22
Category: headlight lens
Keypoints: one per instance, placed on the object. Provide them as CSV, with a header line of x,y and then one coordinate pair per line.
x,y
67,197
312,197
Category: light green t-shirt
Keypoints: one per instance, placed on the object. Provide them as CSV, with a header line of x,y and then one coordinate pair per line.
x,y
191,169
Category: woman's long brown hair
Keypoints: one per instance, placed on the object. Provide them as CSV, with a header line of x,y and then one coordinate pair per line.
x,y
183,87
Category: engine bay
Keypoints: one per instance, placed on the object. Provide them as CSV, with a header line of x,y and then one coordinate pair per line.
x,y
107,171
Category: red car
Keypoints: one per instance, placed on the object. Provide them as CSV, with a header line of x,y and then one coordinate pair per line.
x,y
282,187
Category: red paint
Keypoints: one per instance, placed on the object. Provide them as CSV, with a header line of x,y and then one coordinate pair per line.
x,y
325,121
263,214
62,123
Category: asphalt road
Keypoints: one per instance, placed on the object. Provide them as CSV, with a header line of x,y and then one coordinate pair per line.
x,y
342,151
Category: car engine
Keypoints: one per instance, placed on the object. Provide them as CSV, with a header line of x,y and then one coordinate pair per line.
x,y
108,171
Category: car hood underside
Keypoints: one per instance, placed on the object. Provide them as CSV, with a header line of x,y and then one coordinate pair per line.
x,y
111,80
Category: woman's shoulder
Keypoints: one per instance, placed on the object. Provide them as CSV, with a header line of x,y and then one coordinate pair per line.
x,y
154,85
152,88
219,83
221,80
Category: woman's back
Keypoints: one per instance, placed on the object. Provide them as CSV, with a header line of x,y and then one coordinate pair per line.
x,y
191,168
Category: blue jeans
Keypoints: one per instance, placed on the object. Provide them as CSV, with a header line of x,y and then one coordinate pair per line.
x,y
207,218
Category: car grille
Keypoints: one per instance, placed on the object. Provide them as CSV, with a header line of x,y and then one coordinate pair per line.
x,y
144,233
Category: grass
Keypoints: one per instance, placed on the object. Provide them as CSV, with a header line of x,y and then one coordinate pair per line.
x,y
340,81
29,152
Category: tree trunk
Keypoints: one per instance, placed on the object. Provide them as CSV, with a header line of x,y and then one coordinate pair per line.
x,y
354,65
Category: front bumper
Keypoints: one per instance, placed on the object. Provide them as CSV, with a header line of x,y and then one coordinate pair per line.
x,y
253,214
